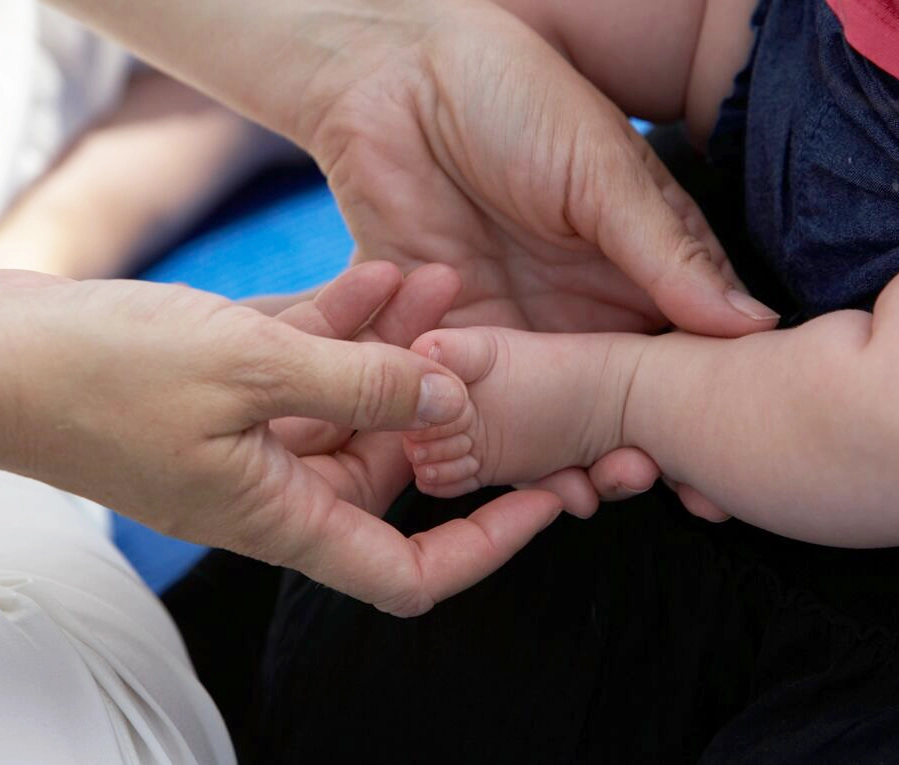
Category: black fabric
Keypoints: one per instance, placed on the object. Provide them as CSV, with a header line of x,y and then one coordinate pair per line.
x,y
223,607
640,636
553,659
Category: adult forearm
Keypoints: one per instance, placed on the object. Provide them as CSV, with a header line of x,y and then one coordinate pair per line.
x,y
794,431
260,59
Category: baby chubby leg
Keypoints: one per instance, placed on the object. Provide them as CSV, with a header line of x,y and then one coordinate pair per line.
x,y
538,403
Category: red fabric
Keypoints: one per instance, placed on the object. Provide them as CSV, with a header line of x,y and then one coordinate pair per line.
x,y
872,28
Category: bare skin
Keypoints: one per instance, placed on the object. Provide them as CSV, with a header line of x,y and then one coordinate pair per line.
x,y
676,64
661,63
502,160
538,403
153,167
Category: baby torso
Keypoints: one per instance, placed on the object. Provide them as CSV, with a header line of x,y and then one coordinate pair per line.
x,y
822,157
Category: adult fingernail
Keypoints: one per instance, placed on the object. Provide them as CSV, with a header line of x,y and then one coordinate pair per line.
x,y
749,306
441,399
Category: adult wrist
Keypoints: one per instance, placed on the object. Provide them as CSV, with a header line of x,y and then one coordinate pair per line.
x,y
283,65
348,44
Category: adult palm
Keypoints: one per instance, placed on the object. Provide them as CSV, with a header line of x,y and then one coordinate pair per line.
x,y
470,141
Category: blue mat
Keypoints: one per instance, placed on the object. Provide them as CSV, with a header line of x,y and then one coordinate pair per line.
x,y
282,233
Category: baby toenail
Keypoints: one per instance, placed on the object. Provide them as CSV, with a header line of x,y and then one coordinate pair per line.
x,y
420,454
434,353
430,474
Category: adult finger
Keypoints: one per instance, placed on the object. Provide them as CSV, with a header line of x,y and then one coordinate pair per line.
x,y
338,310
348,549
697,504
302,436
281,372
635,224
573,487
623,473
344,306
370,471
417,306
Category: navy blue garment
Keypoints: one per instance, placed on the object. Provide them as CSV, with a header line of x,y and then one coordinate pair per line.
x,y
821,158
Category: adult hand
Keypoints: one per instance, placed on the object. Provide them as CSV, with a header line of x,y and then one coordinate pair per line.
x,y
156,400
369,470
503,162
451,132
474,143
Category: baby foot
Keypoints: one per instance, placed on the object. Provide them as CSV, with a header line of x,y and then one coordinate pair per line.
x,y
538,403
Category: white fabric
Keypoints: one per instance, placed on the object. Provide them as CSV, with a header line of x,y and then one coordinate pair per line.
x,y
92,669
55,79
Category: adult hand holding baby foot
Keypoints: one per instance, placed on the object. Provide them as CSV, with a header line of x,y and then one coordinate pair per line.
x,y
533,185
556,213
501,159
369,469
156,400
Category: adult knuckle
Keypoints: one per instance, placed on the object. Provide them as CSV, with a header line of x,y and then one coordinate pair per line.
x,y
686,254
378,389
690,252
362,485
409,603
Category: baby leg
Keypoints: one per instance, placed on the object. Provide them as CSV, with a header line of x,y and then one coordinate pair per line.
x,y
538,403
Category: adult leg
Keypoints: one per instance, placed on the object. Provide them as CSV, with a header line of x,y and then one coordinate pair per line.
x,y
134,182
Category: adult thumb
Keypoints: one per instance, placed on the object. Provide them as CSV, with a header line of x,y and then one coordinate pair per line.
x,y
653,231
366,386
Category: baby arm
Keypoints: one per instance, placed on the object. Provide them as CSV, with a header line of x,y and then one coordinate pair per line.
x,y
795,431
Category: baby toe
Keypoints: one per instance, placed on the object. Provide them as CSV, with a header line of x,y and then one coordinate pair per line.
x,y
450,471
441,450
447,491
445,431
